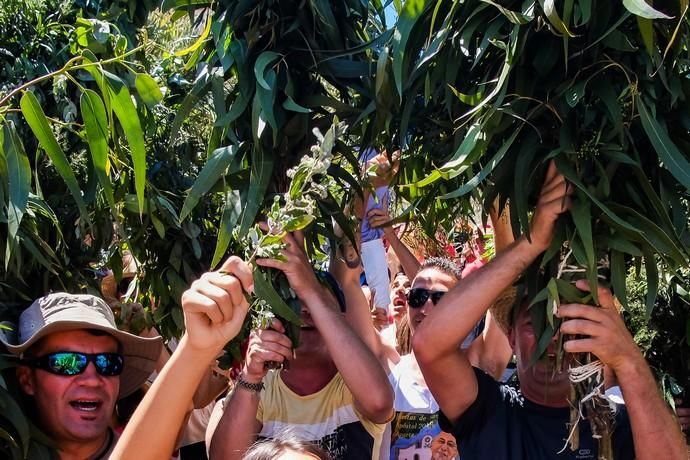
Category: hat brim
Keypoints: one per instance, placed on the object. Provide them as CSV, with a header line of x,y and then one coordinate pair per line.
x,y
140,353
502,309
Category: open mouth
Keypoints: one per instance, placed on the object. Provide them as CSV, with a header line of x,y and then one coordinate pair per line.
x,y
86,405
307,327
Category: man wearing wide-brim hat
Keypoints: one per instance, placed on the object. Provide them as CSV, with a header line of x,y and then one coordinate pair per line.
x,y
75,365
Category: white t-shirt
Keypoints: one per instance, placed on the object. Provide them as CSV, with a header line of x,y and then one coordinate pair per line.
x,y
414,431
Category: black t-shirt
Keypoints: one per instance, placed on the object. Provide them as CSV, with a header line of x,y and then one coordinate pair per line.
x,y
502,424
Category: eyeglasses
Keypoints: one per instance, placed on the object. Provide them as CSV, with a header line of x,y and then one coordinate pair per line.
x,y
69,363
417,297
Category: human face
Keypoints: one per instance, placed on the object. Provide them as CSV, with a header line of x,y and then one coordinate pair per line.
x,y
73,409
434,280
311,343
540,382
399,287
444,447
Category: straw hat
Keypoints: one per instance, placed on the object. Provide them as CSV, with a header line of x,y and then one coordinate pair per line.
x,y
60,311
502,309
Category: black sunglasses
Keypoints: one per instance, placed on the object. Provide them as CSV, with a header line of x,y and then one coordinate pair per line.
x,y
71,363
417,297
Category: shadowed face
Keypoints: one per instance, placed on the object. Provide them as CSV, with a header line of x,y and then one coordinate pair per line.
x,y
72,408
311,343
540,382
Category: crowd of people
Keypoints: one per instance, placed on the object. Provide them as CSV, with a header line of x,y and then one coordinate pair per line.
x,y
443,369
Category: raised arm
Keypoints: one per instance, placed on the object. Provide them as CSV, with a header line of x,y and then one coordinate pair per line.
x,y
656,433
410,264
491,351
358,366
214,310
358,315
436,342
239,427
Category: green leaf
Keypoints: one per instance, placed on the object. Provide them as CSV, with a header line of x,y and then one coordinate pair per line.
x,y
202,85
664,244
260,176
38,122
569,293
582,216
199,41
265,290
469,99
267,98
128,117
549,7
232,210
381,74
290,104
186,5
474,135
512,16
264,60
410,12
16,417
669,154
553,300
567,170
486,170
298,223
621,244
148,89
238,107
652,272
40,255
503,75
158,225
618,275
575,93
96,125
213,170
19,176
643,9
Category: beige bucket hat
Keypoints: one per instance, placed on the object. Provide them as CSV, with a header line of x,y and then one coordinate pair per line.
x,y
66,312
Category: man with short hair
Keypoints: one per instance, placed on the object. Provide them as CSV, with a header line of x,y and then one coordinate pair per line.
x,y
416,412
75,365
492,420
334,392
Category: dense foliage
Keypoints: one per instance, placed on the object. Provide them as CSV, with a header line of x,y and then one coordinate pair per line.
x,y
167,134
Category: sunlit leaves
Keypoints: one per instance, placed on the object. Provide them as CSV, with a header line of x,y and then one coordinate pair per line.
x,y
643,9
38,122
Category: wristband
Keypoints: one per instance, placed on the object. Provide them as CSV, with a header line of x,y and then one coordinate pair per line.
x,y
251,387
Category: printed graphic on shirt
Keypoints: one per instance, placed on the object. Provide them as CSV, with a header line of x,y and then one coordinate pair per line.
x,y
418,437
327,418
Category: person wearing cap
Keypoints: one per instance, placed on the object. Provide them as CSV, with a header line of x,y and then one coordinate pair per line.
x,y
333,393
74,366
528,421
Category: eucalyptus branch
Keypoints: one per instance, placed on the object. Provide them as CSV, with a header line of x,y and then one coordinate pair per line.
x,y
69,66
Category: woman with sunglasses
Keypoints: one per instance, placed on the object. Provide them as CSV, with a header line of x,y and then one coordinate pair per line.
x,y
415,421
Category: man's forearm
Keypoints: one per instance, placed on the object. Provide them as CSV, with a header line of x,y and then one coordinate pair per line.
x,y
656,433
360,369
162,412
238,427
443,331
